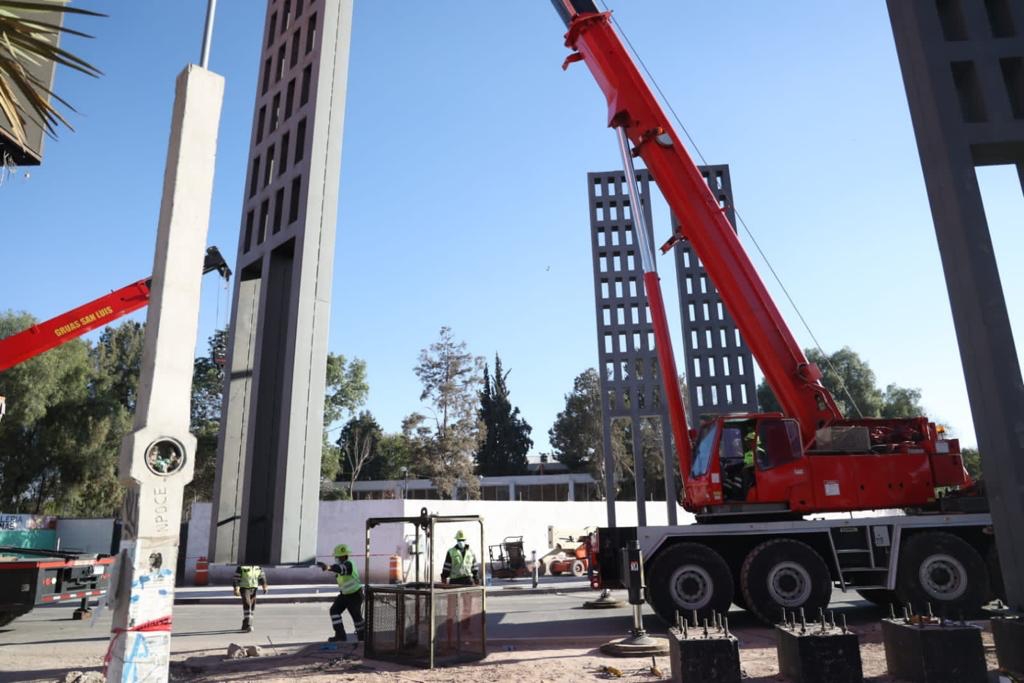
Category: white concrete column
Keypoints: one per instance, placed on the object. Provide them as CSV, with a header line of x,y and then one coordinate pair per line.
x,y
157,458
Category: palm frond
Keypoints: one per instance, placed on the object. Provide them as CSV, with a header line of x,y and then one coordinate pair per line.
x,y
28,40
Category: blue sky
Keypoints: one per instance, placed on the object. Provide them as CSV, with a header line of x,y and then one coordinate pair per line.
x,y
463,195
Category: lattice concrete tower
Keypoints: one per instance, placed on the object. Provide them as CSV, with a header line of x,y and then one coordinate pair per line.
x,y
630,379
266,494
963,69
719,368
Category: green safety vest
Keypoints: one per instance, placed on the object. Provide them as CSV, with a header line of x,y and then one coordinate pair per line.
x,y
349,583
250,576
462,565
748,457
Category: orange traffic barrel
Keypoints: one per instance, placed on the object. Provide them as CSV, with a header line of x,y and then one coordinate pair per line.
x,y
202,572
395,569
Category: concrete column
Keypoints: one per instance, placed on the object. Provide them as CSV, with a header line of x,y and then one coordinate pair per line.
x,y
572,490
267,491
238,384
157,458
609,472
671,467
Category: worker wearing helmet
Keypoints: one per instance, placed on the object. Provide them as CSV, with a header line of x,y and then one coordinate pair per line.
x,y
751,450
351,593
460,566
247,578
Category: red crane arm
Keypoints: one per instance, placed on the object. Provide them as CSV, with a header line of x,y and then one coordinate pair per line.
x,y
65,327
633,106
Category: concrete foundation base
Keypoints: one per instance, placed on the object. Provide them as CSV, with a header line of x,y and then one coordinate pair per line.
x,y
606,601
82,614
704,657
636,646
932,651
1008,632
819,653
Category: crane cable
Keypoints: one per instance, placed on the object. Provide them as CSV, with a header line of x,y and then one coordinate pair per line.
x,y
739,218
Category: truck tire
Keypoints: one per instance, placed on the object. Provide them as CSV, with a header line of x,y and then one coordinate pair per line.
x,y
8,617
784,574
688,577
879,596
579,569
941,570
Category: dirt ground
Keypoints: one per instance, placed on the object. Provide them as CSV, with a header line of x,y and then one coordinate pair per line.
x,y
554,662
565,662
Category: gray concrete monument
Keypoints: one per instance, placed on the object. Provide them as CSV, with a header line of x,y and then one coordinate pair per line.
x,y
631,388
963,69
268,464
719,368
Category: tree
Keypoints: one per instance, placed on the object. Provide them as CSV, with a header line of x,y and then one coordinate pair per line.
x,y
207,401
25,42
848,378
68,413
576,434
443,443
899,401
346,390
394,459
117,361
507,435
358,446
972,462
625,462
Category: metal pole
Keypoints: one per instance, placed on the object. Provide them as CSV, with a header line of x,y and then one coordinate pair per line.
x,y
659,320
636,208
211,9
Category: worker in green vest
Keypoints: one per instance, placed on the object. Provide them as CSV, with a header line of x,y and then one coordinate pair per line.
x,y
351,593
247,578
751,451
460,566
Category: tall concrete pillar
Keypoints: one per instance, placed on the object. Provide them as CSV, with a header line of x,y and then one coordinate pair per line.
x,y
266,493
962,66
157,458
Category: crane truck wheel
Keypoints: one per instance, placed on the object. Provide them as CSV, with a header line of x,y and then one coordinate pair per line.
x,y
784,574
688,577
579,569
8,617
943,571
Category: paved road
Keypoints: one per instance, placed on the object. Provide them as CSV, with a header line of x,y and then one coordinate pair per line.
x,y
46,641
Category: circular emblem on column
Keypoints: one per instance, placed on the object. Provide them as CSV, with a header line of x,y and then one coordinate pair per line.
x,y
165,456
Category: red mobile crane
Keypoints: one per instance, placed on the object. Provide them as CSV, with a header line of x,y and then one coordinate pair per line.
x,y
809,459
99,312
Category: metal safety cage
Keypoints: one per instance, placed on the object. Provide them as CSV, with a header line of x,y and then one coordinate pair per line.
x,y
424,623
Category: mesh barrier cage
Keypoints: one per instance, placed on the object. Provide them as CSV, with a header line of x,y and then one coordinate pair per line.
x,y
421,623
399,624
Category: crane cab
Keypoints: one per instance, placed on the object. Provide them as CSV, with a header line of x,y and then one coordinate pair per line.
x,y
746,463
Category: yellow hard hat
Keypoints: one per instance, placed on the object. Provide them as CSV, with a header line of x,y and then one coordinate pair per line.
x,y
459,536
341,550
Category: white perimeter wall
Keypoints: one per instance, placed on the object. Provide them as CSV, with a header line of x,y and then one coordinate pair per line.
x,y
345,522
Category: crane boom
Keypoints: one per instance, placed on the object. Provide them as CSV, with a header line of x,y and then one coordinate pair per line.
x,y
633,106
101,311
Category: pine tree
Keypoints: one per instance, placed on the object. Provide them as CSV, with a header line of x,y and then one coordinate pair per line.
x,y
507,440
